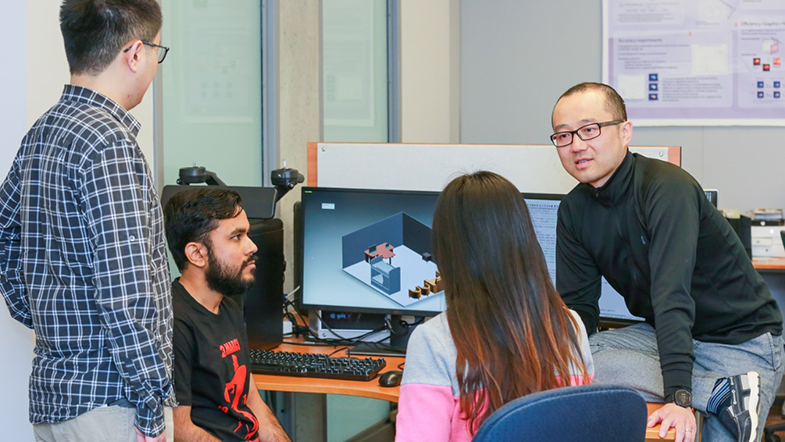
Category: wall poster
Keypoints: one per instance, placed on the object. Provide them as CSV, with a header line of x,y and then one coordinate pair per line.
x,y
697,62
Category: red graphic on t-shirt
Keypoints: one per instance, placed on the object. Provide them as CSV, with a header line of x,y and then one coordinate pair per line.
x,y
234,393
230,347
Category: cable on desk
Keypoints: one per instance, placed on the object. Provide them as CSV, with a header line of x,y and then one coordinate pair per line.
x,y
296,327
306,331
388,323
336,351
311,344
380,345
340,341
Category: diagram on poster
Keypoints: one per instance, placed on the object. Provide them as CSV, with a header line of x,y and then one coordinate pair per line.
x,y
705,62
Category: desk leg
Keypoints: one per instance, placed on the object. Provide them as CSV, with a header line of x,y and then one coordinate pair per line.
x,y
302,415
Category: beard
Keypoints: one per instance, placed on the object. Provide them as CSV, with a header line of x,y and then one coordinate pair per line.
x,y
225,281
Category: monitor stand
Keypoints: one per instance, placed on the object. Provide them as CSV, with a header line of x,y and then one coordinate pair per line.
x,y
399,337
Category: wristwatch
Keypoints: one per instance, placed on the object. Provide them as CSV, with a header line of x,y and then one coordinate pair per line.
x,y
682,398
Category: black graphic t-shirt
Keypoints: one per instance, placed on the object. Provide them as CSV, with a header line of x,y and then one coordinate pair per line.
x,y
212,368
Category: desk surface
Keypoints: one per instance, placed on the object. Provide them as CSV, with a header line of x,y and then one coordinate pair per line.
x,y
370,389
653,434
769,263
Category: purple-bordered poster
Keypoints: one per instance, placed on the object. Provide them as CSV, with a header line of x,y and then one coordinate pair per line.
x,y
697,62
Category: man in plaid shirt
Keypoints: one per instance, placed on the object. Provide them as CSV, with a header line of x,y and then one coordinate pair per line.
x,y
82,251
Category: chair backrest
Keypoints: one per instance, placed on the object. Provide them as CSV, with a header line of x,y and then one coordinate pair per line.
x,y
587,413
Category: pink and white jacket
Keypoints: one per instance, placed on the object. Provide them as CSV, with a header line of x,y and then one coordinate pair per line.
x,y
429,406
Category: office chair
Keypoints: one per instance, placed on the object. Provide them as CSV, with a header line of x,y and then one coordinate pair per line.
x,y
587,413
768,433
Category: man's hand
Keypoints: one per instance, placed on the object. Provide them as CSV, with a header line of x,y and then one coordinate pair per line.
x,y
674,416
142,438
270,429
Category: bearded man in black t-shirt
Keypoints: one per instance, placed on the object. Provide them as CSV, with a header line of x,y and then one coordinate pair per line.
x,y
207,231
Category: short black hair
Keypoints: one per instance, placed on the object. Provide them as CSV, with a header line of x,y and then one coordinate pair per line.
x,y
94,31
190,216
614,104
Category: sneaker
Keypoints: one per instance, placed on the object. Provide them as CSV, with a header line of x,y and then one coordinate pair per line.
x,y
740,417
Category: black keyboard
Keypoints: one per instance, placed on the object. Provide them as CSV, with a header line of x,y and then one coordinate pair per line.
x,y
315,365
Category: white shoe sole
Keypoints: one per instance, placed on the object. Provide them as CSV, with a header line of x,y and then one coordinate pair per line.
x,y
754,404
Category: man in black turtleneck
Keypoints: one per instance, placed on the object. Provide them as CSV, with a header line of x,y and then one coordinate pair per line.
x,y
712,336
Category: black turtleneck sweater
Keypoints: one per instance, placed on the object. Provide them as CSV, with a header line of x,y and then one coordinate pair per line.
x,y
653,234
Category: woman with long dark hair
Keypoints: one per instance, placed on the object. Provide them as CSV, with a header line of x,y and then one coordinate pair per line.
x,y
506,328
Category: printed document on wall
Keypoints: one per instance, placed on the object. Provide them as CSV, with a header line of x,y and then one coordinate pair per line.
x,y
697,62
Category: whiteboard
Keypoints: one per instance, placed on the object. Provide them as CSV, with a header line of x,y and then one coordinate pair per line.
x,y
532,168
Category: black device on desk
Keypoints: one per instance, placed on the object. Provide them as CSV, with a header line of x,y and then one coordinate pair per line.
x,y
315,365
262,305
391,378
340,273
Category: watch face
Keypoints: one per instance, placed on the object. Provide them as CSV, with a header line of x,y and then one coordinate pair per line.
x,y
682,398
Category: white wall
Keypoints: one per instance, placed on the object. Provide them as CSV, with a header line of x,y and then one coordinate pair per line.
x,y
16,344
429,39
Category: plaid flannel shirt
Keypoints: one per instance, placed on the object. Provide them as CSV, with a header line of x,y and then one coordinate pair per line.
x,y
83,262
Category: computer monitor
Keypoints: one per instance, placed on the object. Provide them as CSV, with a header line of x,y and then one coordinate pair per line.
x,y
543,209
341,272
398,277
712,195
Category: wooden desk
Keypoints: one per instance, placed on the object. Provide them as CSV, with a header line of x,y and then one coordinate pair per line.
x,y
370,389
653,434
769,264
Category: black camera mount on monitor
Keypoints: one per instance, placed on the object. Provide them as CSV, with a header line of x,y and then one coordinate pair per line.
x,y
258,202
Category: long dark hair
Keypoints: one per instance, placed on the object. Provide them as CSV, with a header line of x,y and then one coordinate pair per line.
x,y
513,334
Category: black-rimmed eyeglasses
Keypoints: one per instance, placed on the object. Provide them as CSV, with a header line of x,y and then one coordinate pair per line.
x,y
585,133
162,50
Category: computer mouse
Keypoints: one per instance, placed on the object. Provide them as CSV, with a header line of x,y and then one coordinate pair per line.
x,y
391,378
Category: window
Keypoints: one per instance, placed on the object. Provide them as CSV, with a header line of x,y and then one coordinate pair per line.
x,y
355,70
212,103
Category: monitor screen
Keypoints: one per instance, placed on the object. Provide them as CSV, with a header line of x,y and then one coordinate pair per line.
x,y
370,251
364,250
543,209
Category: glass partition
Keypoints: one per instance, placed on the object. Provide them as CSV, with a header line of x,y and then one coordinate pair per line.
x,y
212,89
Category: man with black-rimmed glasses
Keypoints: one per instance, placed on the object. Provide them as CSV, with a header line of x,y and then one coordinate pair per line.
x,y
82,253
712,333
